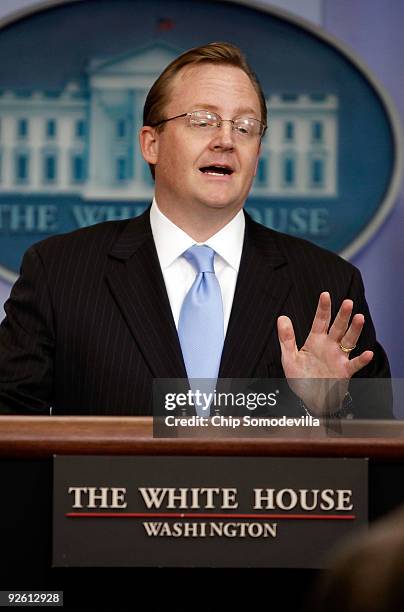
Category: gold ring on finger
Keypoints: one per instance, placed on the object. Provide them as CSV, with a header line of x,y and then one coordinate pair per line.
x,y
347,349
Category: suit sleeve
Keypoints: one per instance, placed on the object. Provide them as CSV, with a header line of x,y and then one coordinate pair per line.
x,y
371,387
27,341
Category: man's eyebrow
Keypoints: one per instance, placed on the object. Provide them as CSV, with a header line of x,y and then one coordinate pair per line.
x,y
241,110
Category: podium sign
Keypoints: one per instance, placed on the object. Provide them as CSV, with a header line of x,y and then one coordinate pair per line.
x,y
204,511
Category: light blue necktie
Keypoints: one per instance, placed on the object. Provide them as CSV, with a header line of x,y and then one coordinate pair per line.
x,y
200,326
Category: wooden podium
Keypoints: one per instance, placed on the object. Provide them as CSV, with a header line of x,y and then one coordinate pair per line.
x,y
27,445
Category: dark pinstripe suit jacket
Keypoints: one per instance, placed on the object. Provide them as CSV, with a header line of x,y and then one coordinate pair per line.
x,y
89,323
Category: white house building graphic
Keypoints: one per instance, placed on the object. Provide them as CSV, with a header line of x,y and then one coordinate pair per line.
x,y
83,140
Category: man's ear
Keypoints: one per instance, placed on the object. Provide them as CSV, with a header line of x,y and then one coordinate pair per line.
x,y
257,160
149,144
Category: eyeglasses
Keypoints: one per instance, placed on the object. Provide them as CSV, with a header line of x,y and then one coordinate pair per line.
x,y
202,120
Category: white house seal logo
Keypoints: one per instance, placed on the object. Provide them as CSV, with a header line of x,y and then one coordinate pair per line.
x,y
71,107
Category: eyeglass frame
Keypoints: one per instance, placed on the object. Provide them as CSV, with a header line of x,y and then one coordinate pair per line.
x,y
264,126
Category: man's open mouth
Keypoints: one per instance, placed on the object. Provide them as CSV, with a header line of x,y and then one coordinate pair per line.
x,y
216,170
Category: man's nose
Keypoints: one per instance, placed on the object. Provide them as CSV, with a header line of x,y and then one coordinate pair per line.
x,y
224,135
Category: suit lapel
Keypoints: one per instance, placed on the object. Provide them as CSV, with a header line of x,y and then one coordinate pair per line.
x,y
262,287
136,282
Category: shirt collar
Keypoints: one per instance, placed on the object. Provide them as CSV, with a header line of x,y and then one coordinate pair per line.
x,y
171,241
228,242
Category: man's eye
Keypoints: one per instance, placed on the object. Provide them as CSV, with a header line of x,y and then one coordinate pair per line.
x,y
200,123
242,129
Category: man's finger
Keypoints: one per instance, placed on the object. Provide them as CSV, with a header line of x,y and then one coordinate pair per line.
x,y
286,335
354,331
356,364
340,325
322,317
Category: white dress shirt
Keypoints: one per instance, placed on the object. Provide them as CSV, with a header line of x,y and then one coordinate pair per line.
x,y
171,242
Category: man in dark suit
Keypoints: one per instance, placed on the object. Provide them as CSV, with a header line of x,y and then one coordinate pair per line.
x,y
97,314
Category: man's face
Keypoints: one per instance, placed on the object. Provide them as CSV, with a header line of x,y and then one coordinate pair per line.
x,y
182,153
